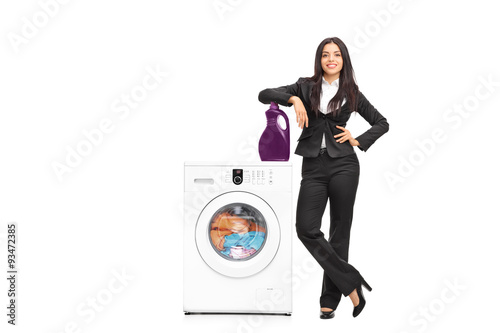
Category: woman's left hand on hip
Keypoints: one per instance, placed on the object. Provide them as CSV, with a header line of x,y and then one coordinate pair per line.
x,y
346,136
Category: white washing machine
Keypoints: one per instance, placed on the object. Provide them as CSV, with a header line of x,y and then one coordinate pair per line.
x,y
238,238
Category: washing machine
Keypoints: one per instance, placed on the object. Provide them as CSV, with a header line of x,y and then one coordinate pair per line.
x,y
238,238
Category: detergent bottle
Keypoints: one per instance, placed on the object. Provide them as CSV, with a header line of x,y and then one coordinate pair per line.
x,y
274,144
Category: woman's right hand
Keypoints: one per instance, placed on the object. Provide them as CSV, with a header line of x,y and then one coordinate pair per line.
x,y
300,111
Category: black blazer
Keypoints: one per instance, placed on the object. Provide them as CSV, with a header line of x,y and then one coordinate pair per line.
x,y
311,137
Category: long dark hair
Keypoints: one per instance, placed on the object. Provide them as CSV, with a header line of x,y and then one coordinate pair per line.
x,y
347,83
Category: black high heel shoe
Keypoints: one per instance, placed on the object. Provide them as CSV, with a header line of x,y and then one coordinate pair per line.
x,y
327,314
362,301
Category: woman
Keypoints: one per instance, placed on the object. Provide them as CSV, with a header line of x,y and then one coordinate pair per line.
x,y
330,168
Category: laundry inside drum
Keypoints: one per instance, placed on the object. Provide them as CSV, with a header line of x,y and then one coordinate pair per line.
x,y
237,231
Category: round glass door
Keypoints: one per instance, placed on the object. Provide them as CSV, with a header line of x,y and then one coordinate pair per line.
x,y
237,234
237,231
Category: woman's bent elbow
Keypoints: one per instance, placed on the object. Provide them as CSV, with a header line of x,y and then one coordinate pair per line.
x,y
386,126
263,96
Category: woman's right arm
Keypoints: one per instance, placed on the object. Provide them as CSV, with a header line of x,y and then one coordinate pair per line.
x,y
280,95
287,96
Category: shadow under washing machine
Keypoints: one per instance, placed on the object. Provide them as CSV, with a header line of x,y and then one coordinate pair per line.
x,y
238,238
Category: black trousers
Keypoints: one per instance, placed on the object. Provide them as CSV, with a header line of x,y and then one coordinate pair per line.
x,y
336,179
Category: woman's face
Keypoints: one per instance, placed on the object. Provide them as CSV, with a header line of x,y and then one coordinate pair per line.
x,y
331,60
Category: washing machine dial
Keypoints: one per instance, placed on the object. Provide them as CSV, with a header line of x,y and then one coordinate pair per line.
x,y
237,176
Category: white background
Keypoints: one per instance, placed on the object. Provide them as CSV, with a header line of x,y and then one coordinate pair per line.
x,y
120,208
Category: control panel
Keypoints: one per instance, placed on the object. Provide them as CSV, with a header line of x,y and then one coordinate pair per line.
x,y
249,176
215,177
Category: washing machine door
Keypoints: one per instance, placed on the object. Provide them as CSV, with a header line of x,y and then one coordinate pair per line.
x,y
237,234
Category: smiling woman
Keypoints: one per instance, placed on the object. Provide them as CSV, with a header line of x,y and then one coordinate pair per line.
x,y
330,167
329,64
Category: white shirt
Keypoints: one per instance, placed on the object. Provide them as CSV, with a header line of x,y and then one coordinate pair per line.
x,y
328,91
